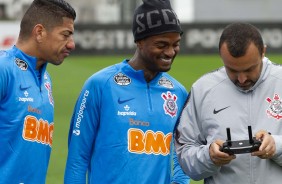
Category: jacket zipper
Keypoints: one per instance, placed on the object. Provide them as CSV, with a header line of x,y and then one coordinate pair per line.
x,y
149,97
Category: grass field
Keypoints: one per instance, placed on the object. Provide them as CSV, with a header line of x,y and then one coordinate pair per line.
x,y
70,76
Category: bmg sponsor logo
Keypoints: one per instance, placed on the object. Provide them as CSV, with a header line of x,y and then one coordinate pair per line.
x,y
38,130
148,142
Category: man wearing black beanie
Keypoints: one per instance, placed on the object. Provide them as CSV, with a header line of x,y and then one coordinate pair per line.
x,y
122,126
154,17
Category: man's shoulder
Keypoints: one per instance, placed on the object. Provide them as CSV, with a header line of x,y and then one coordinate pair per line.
x,y
5,59
4,55
167,77
276,70
103,75
211,79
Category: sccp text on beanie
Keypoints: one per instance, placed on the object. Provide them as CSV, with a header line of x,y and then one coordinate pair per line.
x,y
154,17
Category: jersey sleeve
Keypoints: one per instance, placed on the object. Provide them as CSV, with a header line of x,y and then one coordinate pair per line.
x,y
278,155
3,80
178,176
82,133
191,147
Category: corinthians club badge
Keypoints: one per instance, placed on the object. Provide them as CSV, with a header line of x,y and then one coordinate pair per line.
x,y
170,106
275,107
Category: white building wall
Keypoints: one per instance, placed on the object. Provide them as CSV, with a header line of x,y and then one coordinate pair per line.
x,y
184,10
120,11
238,10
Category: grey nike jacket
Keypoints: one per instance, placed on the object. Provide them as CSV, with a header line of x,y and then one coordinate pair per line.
x,y
215,103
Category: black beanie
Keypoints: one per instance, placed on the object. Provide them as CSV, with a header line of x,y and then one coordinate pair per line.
x,y
154,17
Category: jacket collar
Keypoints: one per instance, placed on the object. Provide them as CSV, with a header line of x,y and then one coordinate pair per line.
x,y
138,74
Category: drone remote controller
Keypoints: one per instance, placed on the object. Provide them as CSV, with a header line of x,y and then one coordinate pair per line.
x,y
241,146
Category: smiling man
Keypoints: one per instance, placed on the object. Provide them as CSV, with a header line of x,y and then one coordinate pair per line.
x,y
122,125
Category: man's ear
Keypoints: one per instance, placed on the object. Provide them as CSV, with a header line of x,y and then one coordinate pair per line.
x,y
39,32
139,44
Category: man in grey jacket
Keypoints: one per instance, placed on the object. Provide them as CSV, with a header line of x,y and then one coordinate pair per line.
x,y
247,91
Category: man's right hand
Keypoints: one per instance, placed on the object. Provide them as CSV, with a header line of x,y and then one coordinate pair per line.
x,y
218,157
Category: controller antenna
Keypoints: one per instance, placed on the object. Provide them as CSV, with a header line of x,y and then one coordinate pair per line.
x,y
229,143
250,135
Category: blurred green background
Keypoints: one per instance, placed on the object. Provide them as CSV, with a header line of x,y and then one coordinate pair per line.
x,y
69,78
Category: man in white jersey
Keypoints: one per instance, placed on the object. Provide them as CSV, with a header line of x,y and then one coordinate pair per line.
x,y
247,91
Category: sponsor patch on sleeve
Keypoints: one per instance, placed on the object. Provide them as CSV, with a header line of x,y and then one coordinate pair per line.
x,y
165,82
21,64
122,79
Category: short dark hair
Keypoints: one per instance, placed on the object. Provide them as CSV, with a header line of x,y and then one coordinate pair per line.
x,y
49,13
238,36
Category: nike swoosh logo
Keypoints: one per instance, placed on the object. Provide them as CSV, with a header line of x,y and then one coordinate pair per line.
x,y
24,86
123,101
217,111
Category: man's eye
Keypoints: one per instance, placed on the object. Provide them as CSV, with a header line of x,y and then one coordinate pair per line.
x,y
160,45
177,45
